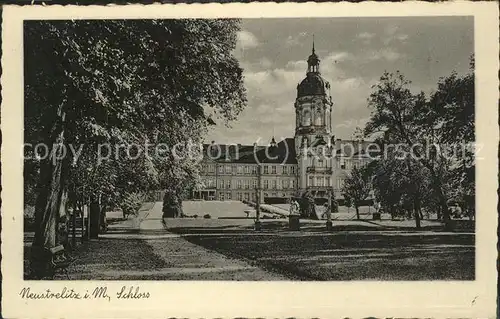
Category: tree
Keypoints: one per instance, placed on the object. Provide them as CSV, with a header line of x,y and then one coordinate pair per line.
x,y
435,125
356,187
453,103
122,82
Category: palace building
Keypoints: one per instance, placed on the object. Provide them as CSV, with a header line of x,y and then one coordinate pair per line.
x,y
313,160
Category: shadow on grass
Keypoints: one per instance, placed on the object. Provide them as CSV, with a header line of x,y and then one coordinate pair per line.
x,y
107,254
350,256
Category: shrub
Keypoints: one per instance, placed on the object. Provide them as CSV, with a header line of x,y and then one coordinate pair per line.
x,y
29,218
132,203
207,216
29,212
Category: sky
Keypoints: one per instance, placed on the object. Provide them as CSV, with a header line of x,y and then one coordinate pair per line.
x,y
354,53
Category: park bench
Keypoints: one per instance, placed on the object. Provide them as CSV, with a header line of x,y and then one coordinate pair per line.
x,y
59,260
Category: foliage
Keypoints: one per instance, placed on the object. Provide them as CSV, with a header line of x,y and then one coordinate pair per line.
x,y
132,202
428,131
356,187
122,83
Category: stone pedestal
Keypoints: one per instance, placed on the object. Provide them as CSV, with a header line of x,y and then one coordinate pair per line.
x,y
329,226
258,225
294,222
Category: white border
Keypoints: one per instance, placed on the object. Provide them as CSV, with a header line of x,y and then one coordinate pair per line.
x,y
259,299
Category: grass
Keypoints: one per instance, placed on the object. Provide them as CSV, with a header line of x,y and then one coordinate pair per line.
x,y
350,255
216,209
229,249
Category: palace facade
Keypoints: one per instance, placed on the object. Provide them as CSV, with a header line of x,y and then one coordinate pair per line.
x,y
311,160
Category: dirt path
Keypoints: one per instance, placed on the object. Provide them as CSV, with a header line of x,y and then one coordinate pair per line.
x,y
187,261
144,250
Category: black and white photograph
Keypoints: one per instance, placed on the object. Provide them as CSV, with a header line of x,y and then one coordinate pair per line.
x,y
272,149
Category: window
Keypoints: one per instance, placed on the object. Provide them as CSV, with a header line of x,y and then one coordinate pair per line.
x,y
328,181
340,183
342,164
266,184
255,183
320,181
254,169
221,196
292,183
319,119
247,169
247,184
273,169
311,181
240,170
221,184
221,169
307,118
284,184
273,184
211,168
228,169
239,184
247,196
266,169
228,196
228,184
239,196
292,170
285,170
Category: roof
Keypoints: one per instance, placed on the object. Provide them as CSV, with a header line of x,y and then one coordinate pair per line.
x,y
282,153
313,84
356,148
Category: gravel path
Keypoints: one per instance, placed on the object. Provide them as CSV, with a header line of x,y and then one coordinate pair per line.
x,y
144,250
187,261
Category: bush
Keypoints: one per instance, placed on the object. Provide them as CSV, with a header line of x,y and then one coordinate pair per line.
x,y
207,216
29,218
29,212
132,203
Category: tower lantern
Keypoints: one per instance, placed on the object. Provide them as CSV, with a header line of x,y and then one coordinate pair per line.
x,y
313,61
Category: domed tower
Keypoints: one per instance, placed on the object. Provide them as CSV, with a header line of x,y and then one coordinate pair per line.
x,y
313,108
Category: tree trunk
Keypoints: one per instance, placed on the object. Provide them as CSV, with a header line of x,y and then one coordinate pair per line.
x,y
442,199
416,210
357,212
63,235
46,218
53,172
102,219
94,212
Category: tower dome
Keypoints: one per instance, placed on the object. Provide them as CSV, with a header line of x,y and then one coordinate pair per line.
x,y
313,84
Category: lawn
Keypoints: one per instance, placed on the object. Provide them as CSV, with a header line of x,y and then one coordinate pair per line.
x,y
353,255
216,209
